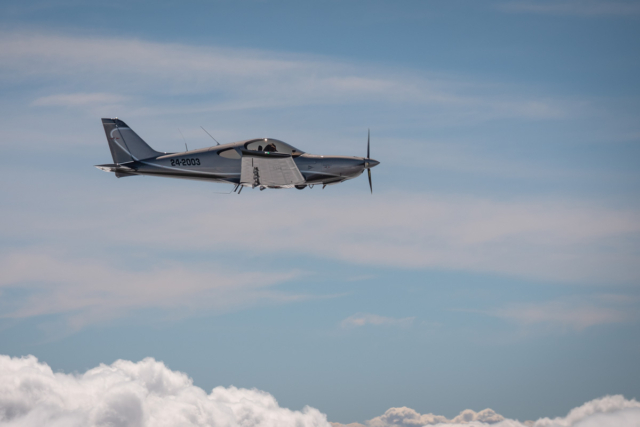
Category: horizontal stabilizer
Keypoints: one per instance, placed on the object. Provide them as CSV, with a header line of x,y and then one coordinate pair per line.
x,y
124,174
107,168
121,171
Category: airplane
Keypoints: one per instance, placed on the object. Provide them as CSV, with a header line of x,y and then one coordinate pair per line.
x,y
261,162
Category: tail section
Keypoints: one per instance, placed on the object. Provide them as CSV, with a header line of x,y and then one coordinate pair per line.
x,y
124,143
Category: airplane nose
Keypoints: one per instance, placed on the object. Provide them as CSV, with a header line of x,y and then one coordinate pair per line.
x,y
370,163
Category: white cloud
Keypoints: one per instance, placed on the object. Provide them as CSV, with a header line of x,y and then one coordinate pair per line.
x,y
362,319
147,393
575,7
604,412
407,417
128,394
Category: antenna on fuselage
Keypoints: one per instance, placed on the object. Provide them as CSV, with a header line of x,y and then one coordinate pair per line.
x,y
185,141
210,135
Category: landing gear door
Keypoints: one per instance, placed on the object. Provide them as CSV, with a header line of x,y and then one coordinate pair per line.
x,y
247,172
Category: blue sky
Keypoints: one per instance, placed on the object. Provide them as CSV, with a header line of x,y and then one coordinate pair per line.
x,y
496,264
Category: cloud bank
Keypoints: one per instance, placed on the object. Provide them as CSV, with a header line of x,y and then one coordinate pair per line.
x,y
127,394
604,412
410,418
147,393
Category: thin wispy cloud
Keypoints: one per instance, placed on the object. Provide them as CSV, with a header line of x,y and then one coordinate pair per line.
x,y
81,100
575,7
571,313
535,239
242,78
86,290
363,319
538,238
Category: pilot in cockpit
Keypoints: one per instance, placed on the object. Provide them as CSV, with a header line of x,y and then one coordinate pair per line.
x,y
271,147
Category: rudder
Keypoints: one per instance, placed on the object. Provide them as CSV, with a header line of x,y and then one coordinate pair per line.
x,y
124,143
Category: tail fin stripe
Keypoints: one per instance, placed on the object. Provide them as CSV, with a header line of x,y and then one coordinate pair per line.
x,y
115,140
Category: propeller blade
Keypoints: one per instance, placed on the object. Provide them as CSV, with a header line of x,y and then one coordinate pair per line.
x,y
370,185
368,140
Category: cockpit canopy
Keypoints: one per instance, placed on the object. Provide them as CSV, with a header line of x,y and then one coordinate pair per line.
x,y
272,145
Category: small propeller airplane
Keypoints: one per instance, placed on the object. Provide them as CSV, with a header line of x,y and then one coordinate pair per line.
x,y
262,162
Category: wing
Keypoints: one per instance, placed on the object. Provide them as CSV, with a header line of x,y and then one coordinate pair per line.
x,y
269,170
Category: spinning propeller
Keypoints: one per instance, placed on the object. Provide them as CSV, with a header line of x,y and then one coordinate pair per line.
x,y
368,161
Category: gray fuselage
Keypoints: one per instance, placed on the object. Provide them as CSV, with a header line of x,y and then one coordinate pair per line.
x,y
263,162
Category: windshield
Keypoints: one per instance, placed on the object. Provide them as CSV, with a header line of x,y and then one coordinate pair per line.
x,y
272,145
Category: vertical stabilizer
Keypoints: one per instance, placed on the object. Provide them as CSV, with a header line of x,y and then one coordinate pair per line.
x,y
124,143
